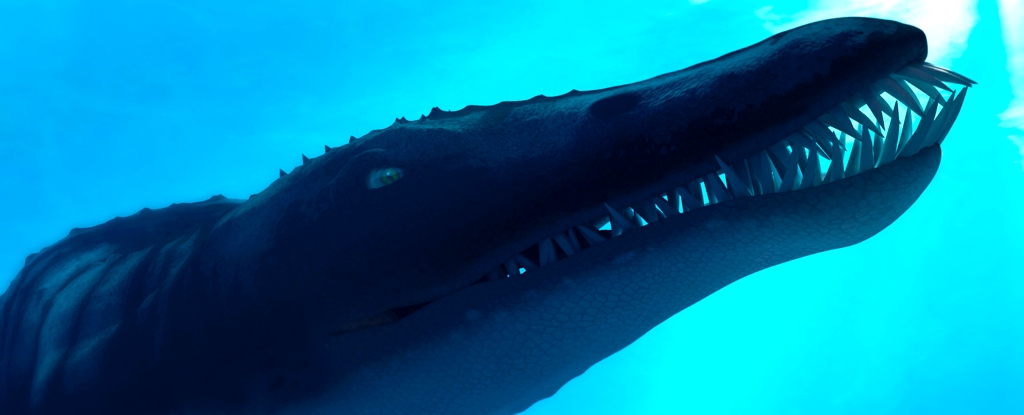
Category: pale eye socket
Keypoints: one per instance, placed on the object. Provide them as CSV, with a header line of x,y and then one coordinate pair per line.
x,y
379,178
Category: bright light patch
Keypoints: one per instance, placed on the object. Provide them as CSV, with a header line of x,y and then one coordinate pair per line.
x,y
947,24
1010,12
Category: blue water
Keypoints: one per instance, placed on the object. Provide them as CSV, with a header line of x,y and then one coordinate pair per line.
x,y
109,107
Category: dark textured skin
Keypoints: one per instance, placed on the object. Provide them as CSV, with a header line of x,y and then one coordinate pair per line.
x,y
231,306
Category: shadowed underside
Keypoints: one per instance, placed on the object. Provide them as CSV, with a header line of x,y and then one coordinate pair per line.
x,y
473,262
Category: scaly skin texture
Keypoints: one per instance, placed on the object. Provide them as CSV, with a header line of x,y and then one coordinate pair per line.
x,y
230,306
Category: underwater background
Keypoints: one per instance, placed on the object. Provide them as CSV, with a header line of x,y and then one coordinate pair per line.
x,y
107,107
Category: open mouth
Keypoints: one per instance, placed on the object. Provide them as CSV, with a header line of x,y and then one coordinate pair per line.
x,y
895,117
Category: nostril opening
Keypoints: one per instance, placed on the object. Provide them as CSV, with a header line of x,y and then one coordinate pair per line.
x,y
615,105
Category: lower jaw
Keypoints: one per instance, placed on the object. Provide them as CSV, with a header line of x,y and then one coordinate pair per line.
x,y
511,342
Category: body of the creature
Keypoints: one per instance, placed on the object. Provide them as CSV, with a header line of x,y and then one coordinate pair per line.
x,y
472,262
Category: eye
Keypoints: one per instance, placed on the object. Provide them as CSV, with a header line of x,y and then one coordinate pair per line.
x,y
379,178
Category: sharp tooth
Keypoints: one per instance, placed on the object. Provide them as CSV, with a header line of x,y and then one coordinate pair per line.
x,y
813,170
853,164
803,160
926,88
771,179
820,131
688,199
512,267
573,241
882,102
867,154
305,159
955,105
618,221
281,173
738,186
876,149
525,262
835,170
632,215
592,236
547,251
563,242
876,110
789,181
944,74
938,125
326,148
716,187
892,139
913,72
860,117
648,212
916,141
838,119
803,139
905,134
668,208
890,85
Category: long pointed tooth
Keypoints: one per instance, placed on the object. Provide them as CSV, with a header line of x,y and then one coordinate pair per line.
x,y
867,155
648,212
955,105
327,148
591,235
836,170
715,185
305,159
944,74
814,169
633,217
547,251
853,164
563,242
688,199
890,85
573,241
803,180
876,149
882,102
911,71
738,186
916,141
938,125
769,174
803,139
876,110
511,267
668,208
791,171
860,117
927,88
838,119
618,220
905,134
524,262
281,173
821,131
892,139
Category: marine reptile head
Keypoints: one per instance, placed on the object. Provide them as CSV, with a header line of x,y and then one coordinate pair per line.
x,y
478,237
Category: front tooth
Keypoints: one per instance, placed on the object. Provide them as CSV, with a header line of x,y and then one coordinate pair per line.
x,y
819,130
905,134
890,85
741,187
769,174
547,251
